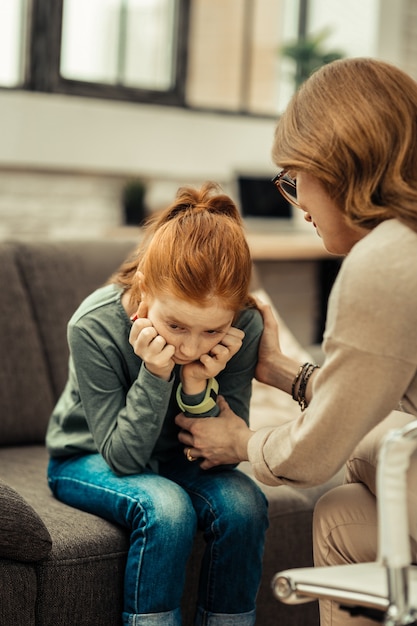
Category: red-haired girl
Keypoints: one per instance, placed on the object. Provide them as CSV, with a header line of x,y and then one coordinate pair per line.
x,y
174,326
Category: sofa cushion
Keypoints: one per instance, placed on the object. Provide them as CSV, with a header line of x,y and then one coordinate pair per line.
x,y
23,535
81,581
25,392
58,276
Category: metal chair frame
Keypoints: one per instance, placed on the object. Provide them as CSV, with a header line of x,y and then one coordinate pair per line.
x,y
385,590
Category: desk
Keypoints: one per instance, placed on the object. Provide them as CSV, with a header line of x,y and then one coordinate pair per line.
x,y
286,246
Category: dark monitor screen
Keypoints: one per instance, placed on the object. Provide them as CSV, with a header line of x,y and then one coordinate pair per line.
x,y
259,198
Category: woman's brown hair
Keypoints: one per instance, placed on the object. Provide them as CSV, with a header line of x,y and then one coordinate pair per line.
x,y
353,125
195,250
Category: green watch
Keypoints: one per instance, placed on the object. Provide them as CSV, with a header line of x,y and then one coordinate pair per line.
x,y
208,402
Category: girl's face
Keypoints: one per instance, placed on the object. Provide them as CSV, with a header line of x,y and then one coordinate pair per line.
x,y
193,330
322,211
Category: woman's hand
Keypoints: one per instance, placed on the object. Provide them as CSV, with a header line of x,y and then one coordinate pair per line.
x,y
269,348
209,365
219,440
154,351
275,368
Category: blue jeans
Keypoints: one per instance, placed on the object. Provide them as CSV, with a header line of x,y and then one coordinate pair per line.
x,y
162,512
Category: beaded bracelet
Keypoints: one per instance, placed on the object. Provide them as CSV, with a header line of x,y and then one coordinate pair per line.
x,y
296,379
303,375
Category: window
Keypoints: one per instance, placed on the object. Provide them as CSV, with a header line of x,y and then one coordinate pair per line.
x,y
349,27
222,55
121,49
120,42
352,25
13,23
233,63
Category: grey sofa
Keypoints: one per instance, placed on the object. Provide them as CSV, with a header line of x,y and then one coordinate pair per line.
x,y
60,566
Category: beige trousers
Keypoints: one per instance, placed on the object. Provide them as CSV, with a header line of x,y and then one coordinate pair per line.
x,y
345,518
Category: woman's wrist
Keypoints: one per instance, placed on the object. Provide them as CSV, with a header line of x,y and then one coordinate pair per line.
x,y
279,372
242,444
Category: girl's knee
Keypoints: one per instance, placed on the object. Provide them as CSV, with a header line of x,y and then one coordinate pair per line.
x,y
246,507
168,508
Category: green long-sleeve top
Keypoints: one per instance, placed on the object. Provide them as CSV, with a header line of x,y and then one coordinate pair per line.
x,y
113,405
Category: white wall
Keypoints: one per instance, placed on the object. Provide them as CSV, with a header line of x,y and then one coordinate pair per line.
x,y
64,159
53,131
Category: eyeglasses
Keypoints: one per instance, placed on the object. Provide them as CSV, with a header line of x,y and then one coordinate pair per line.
x,y
287,186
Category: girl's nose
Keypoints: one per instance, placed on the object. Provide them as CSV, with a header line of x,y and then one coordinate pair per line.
x,y
189,348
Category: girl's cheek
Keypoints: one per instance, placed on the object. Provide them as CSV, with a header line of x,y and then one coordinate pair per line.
x,y
169,337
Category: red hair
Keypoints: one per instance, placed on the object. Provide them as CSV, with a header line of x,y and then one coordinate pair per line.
x,y
195,250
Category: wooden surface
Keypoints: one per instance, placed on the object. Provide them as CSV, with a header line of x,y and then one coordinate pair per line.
x,y
295,246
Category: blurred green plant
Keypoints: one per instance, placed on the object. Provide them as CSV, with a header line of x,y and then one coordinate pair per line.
x,y
309,54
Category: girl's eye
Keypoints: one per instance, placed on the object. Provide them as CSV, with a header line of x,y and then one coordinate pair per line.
x,y
175,327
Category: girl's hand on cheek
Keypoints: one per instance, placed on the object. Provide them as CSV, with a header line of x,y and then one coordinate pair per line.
x,y
211,364
232,341
151,347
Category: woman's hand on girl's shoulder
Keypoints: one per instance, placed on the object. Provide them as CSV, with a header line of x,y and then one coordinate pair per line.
x,y
269,346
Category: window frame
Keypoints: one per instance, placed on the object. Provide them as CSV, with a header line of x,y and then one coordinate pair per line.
x,y
44,53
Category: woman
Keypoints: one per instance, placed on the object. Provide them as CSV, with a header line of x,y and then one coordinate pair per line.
x,y
173,326
347,149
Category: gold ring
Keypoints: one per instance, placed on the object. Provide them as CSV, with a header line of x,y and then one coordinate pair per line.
x,y
189,456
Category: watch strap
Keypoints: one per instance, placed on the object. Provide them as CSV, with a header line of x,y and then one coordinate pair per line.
x,y
208,402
